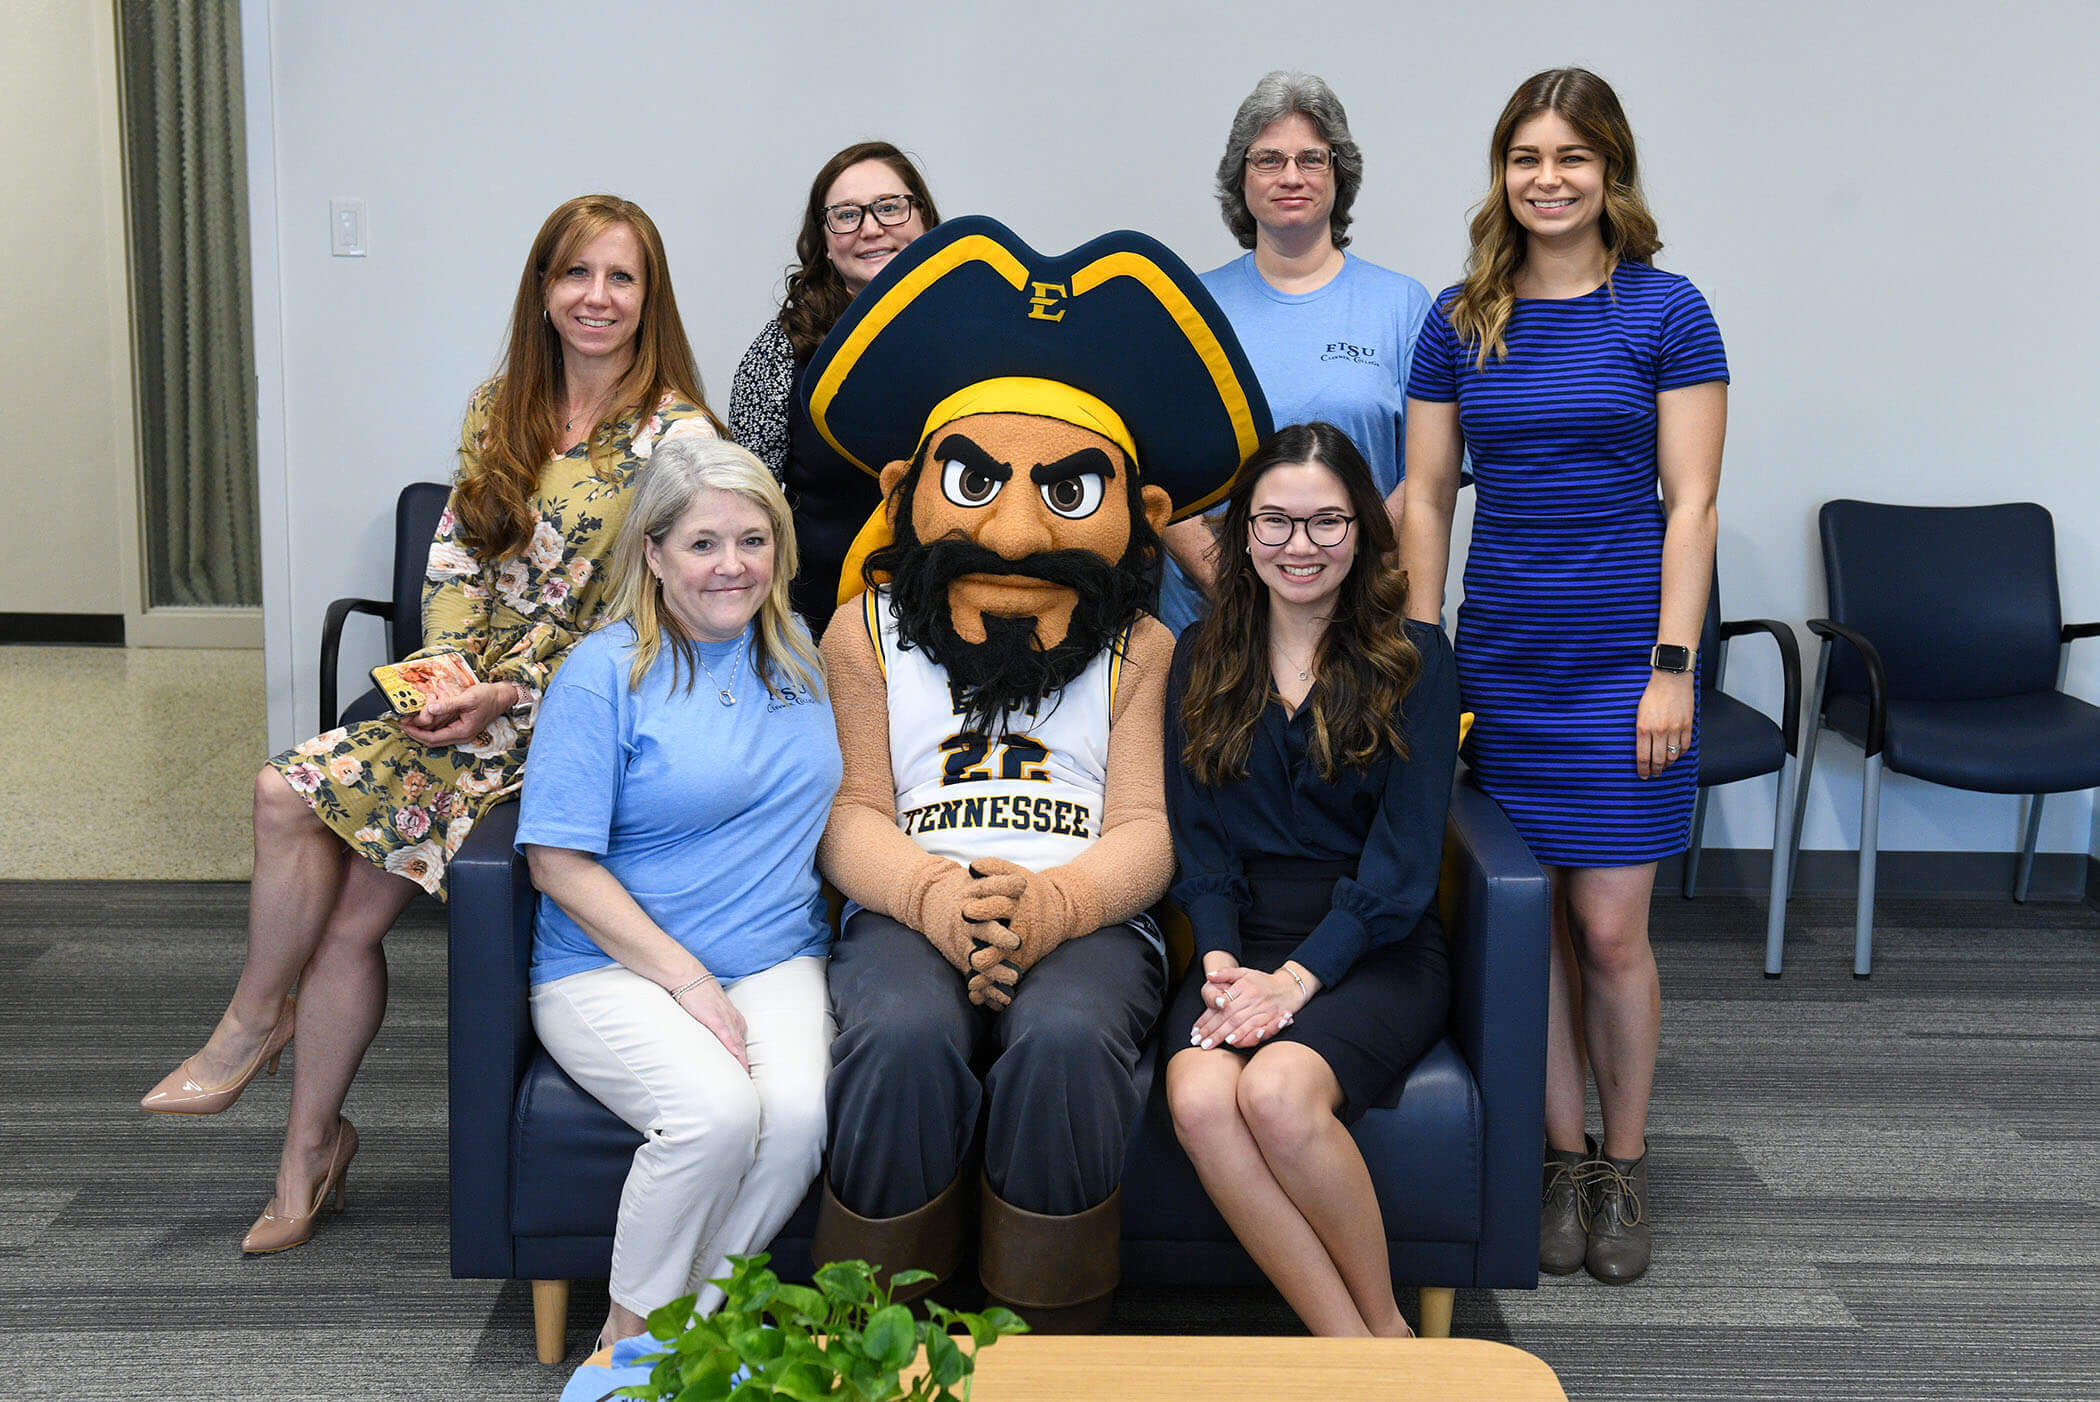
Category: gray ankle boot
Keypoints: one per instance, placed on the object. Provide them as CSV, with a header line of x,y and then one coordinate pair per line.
x,y
1564,1210
1619,1237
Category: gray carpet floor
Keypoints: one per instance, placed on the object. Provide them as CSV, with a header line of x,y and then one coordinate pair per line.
x,y
1884,1189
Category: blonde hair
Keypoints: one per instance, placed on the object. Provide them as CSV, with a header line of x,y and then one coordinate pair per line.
x,y
679,469
1481,311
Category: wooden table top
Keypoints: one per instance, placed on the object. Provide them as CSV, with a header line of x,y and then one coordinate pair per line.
x,y
1182,1368
1142,1368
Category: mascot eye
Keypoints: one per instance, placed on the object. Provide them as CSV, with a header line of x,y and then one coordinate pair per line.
x,y
1074,498
966,485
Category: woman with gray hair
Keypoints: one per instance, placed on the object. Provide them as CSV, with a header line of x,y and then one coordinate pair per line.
x,y
684,767
1330,336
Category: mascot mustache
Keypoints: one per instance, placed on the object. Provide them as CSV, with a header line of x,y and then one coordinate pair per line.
x,y
1007,673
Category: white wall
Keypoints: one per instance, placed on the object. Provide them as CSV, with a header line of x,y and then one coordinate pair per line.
x,y
1885,203
66,448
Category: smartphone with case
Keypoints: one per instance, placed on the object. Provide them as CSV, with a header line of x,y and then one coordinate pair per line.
x,y
410,686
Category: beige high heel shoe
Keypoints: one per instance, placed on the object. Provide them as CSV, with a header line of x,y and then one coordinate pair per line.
x,y
179,1092
281,1231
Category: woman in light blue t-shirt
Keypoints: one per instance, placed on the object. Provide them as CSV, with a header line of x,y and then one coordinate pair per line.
x,y
1330,336
682,770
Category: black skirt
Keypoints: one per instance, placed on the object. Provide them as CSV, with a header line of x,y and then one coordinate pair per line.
x,y
1387,1011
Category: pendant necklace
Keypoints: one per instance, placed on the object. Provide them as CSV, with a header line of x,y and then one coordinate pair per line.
x,y
1304,673
726,693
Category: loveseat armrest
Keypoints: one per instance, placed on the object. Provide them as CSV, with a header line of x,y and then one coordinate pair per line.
x,y
490,1038
1499,935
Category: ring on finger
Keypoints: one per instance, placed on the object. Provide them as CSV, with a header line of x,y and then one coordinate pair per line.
x,y
1669,749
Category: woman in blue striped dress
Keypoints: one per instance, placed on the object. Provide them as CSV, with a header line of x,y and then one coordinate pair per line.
x,y
1580,377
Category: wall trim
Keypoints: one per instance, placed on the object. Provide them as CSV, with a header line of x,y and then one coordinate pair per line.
x,y
2058,876
63,629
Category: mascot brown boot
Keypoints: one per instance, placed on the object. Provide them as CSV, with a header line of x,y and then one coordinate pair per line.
x,y
929,1239
1058,1273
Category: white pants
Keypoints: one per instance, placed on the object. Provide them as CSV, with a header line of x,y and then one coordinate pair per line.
x,y
726,1157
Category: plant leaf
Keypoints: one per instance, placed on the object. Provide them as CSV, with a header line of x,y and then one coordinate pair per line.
x,y
944,1361
910,1277
1005,1320
799,1303
669,1321
891,1339
848,1282
712,1387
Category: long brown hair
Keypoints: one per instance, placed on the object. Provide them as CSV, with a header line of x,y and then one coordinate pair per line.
x,y
1364,665
525,414
1481,311
816,293
681,466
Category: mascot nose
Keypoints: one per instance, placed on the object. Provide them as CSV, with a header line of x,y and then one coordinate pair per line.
x,y
1017,528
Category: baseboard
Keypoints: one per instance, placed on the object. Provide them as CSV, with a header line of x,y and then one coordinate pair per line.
x,y
63,629
2057,876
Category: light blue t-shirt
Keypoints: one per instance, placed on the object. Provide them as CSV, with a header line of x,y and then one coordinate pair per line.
x,y
1340,353
708,814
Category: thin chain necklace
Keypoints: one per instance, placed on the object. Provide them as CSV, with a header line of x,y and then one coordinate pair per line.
x,y
1304,673
726,693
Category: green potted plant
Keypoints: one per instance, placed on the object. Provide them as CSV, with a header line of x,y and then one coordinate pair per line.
x,y
842,1341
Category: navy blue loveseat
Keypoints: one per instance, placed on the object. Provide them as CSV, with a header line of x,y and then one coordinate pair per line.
x,y
537,1164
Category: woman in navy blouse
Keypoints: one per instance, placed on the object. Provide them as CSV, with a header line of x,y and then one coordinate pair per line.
x,y
1316,731
1582,378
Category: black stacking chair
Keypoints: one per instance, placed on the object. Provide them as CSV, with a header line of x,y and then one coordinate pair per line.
x,y
416,514
1737,742
1943,658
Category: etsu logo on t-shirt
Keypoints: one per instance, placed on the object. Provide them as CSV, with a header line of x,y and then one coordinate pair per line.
x,y
1358,355
789,696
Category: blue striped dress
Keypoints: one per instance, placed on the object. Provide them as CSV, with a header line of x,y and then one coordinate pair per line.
x,y
1564,574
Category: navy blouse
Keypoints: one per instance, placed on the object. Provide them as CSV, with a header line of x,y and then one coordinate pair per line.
x,y
1388,819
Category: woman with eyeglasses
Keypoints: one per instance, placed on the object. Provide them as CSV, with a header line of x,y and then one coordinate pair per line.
x,y
1330,336
1591,388
1316,730
867,202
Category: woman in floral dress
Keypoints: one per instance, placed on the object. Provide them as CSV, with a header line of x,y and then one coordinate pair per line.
x,y
351,824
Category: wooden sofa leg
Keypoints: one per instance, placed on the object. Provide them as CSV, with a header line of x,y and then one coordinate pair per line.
x,y
550,1318
1436,1311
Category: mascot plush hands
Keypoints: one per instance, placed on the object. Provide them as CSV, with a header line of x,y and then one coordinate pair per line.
x,y
1044,912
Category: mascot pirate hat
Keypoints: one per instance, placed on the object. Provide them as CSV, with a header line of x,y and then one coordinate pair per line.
x,y
1116,336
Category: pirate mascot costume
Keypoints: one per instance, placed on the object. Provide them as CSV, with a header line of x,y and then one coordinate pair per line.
x,y
1001,830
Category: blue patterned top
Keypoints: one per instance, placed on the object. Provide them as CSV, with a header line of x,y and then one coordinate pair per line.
x,y
1566,424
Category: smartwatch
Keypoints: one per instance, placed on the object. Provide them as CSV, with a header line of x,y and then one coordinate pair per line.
x,y
1668,657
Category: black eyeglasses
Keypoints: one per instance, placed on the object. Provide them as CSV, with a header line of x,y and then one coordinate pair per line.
x,y
1322,528
889,211
1312,161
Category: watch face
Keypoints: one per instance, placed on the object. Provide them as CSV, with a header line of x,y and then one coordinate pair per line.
x,y
1668,657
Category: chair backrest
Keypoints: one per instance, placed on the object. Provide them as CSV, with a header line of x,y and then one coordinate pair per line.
x,y
1961,601
416,515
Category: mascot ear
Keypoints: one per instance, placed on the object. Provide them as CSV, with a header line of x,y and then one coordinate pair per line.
x,y
1158,507
892,474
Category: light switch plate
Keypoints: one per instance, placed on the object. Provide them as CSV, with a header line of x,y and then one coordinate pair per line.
x,y
346,228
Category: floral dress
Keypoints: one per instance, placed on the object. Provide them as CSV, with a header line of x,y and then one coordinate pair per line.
x,y
407,807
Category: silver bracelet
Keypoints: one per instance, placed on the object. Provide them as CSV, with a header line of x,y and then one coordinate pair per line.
x,y
1307,992
685,988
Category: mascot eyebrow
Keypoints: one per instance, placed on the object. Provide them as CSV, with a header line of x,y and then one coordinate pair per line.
x,y
960,448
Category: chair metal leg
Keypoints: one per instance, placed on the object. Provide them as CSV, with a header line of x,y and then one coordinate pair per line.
x,y
1691,853
1808,762
1782,878
2034,832
1869,841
